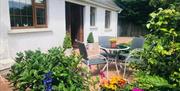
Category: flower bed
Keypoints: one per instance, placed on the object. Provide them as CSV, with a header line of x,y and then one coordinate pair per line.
x,y
115,83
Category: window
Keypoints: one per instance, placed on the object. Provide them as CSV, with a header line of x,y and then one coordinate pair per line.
x,y
92,16
107,19
28,13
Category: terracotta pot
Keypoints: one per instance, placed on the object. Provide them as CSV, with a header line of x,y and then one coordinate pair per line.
x,y
113,44
68,52
90,46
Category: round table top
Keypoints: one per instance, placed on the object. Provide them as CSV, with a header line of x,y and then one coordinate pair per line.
x,y
116,49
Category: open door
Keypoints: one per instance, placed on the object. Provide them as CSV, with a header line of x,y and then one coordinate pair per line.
x,y
74,22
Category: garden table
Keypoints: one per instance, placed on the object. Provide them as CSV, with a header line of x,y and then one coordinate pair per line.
x,y
115,51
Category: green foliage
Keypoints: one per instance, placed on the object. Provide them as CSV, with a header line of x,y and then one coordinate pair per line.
x,y
149,82
136,11
67,41
161,54
90,38
30,67
165,4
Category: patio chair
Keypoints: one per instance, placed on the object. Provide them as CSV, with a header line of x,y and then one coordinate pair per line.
x,y
92,60
136,46
104,41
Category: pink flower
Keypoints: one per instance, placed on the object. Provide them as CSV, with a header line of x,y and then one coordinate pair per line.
x,y
101,73
137,89
90,66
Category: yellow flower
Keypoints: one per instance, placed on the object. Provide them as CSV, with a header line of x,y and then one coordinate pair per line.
x,y
113,40
113,83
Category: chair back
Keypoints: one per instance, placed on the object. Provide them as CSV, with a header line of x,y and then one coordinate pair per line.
x,y
137,42
82,50
104,41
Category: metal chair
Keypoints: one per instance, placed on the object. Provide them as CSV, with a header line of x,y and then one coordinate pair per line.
x,y
136,46
92,60
104,41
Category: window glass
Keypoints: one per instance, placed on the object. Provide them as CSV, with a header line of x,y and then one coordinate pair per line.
x,y
26,13
40,15
107,19
92,16
39,1
20,12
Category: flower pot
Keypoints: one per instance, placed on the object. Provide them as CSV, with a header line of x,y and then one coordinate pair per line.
x,y
113,44
90,46
68,52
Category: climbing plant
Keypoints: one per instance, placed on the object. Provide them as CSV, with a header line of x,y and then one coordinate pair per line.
x,y
161,55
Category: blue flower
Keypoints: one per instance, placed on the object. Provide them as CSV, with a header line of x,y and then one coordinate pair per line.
x,y
48,81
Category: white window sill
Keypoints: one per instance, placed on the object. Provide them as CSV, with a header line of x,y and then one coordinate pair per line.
x,y
31,30
93,27
108,29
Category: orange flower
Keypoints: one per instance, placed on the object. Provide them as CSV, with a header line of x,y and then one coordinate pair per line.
x,y
112,84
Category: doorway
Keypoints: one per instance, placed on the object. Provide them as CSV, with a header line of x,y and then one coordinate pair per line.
x,y
74,22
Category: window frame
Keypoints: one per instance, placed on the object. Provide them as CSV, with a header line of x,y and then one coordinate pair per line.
x,y
95,11
107,26
34,18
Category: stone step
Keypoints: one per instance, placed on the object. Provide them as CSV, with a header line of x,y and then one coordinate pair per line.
x,y
5,65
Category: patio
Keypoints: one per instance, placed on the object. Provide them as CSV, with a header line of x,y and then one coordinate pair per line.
x,y
4,84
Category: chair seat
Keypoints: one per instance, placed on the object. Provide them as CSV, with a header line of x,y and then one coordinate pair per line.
x,y
95,61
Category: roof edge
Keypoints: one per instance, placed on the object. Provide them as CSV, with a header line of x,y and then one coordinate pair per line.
x,y
117,9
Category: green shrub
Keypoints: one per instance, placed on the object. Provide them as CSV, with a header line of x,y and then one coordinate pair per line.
x,y
149,82
31,66
67,41
163,58
90,38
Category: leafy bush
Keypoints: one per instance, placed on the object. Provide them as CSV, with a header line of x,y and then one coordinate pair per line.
x,y
67,41
90,38
161,54
149,82
31,66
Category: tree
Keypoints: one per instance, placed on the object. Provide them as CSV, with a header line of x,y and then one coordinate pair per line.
x,y
137,11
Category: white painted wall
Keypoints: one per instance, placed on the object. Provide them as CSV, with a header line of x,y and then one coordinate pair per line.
x,y
56,24
33,40
99,29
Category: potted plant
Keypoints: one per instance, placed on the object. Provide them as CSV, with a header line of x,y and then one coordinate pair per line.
x,y
113,42
67,44
90,41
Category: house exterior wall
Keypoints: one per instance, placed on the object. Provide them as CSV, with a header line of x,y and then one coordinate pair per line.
x,y
26,39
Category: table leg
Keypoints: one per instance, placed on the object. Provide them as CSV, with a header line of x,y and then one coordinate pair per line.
x,y
106,66
116,65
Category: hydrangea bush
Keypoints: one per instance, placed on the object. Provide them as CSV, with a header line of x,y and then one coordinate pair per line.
x,y
53,70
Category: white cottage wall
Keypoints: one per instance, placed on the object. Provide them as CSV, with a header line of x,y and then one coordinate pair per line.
x,y
32,40
99,29
20,40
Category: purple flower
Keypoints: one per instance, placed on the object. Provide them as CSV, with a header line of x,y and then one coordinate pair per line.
x,y
137,89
